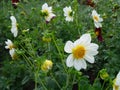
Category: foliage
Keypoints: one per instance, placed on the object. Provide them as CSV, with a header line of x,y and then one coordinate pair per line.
x,y
38,41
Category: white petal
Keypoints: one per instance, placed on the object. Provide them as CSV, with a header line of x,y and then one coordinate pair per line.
x,y
114,87
44,6
67,10
48,18
89,58
92,47
69,61
12,52
69,18
64,10
85,39
68,47
7,47
50,9
14,28
13,19
8,43
52,15
84,65
100,20
91,52
77,42
14,31
94,12
77,64
118,79
98,24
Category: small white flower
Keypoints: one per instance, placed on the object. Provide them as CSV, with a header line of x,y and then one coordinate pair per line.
x,y
12,53
68,13
82,49
14,29
47,12
9,44
97,19
116,83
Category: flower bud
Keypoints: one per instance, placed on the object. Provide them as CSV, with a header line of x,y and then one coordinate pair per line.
x,y
103,74
47,65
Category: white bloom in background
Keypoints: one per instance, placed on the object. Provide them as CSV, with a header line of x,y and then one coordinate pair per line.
x,y
97,19
14,29
68,13
9,44
47,12
12,53
81,50
116,83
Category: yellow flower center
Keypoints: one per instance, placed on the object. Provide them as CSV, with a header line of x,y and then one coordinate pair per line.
x,y
45,13
11,46
78,52
70,13
14,56
116,87
96,18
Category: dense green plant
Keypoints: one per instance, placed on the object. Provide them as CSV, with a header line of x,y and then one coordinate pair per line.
x,y
38,41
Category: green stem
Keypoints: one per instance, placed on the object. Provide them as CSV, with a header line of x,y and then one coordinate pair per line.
x,y
96,79
55,81
59,52
107,88
76,15
110,84
43,85
25,50
103,85
68,77
74,79
49,49
36,77
27,62
67,81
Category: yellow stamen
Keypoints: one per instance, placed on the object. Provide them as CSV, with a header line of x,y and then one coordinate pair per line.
x,y
78,52
11,46
14,57
45,13
116,87
70,13
96,18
